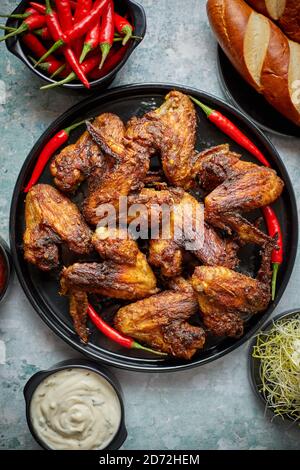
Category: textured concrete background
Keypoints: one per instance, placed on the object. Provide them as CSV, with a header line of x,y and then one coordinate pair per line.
x,y
211,407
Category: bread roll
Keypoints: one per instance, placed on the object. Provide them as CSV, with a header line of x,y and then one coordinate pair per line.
x,y
260,52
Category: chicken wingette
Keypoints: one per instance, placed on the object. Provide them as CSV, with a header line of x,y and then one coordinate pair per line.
x,y
84,159
236,187
226,298
161,321
124,273
51,219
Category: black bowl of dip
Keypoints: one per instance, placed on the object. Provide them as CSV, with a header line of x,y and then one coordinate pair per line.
x,y
5,268
39,378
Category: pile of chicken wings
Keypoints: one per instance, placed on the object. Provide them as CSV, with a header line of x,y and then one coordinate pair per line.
x,y
161,295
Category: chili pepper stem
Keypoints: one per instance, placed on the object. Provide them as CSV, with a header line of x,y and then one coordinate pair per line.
x,y
50,51
17,31
105,48
274,279
17,16
205,108
136,345
86,49
58,71
127,30
73,126
7,28
68,79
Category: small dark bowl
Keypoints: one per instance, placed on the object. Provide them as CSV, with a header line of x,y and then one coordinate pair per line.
x,y
136,15
5,254
254,364
37,378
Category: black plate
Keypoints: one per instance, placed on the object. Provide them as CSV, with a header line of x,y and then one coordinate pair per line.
x,y
247,100
42,289
254,364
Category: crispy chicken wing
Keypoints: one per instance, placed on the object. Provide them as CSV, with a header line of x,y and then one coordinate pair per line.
x,y
125,273
227,297
162,322
236,187
51,219
166,251
77,161
178,114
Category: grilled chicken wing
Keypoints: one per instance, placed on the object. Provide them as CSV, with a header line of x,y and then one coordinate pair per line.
x,y
162,322
166,251
227,297
178,115
51,219
236,187
77,161
125,273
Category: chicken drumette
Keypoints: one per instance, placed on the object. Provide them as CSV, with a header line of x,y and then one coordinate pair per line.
x,y
52,219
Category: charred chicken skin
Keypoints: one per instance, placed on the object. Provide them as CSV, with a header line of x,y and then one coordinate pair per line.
x,y
227,297
52,219
124,273
162,322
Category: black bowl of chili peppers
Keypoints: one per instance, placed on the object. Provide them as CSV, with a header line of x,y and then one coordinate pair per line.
x,y
77,44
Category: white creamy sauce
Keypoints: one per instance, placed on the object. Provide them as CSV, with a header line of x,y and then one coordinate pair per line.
x,y
75,409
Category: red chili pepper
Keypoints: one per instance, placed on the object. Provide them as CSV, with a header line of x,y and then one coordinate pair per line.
x,y
91,41
274,230
115,336
38,49
42,8
79,28
29,24
230,129
106,38
82,9
57,33
114,58
43,33
123,27
52,145
89,64
64,14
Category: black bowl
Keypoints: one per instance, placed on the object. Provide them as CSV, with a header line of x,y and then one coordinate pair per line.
x,y
37,378
254,363
42,289
5,253
250,102
138,18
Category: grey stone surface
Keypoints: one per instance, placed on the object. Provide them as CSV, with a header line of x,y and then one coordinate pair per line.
x,y
211,407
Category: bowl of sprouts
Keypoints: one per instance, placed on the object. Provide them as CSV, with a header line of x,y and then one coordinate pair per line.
x,y
274,357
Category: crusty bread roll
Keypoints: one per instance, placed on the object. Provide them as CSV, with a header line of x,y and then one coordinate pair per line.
x,y
260,52
286,12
